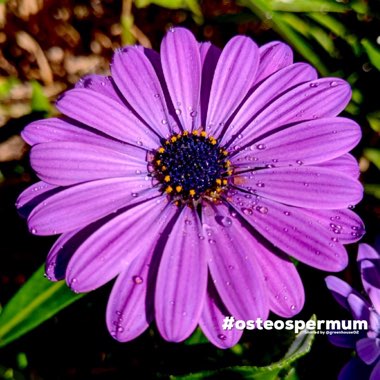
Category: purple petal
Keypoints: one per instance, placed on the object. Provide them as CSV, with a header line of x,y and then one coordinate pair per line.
x,y
366,252
308,143
285,288
82,204
343,225
358,306
212,318
209,58
355,369
61,253
368,350
137,80
234,75
66,163
34,195
279,83
53,129
305,186
182,279
99,83
233,264
374,324
108,116
346,164
292,231
339,289
130,306
370,274
273,57
181,65
343,340
320,98
375,374
111,248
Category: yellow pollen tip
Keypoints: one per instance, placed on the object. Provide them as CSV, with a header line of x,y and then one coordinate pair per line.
x,y
218,189
225,153
163,168
168,190
218,181
225,182
185,133
167,142
229,172
213,141
203,134
195,133
158,162
192,192
228,163
167,178
173,139
178,189
161,150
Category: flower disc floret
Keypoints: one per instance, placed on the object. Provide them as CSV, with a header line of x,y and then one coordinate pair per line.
x,y
191,166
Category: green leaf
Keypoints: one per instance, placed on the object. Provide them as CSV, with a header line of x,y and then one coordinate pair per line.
x,y
373,189
196,338
36,301
300,347
374,120
372,51
6,84
191,5
39,101
306,6
373,155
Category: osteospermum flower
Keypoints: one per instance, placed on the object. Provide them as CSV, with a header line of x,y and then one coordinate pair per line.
x,y
191,175
367,363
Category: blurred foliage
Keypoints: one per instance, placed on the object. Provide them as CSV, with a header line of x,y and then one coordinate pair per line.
x,y
45,47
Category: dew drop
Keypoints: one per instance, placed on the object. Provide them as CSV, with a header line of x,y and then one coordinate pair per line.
x,y
262,209
233,214
293,307
247,211
138,280
193,113
178,111
261,146
299,162
222,337
314,84
211,241
317,253
333,83
260,184
287,213
355,234
226,221
164,121
33,231
134,195
156,95
188,222
355,228
334,239
201,237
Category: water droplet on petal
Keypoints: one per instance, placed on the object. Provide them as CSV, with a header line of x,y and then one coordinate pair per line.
x,y
138,280
247,211
156,95
33,231
193,113
226,221
314,84
261,146
260,184
164,121
134,195
188,222
293,307
333,83
222,337
287,213
211,241
178,111
299,162
262,210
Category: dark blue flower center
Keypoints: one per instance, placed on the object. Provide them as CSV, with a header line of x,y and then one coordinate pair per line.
x,y
191,165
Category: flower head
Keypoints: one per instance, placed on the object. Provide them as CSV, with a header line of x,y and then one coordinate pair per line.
x,y
367,308
191,175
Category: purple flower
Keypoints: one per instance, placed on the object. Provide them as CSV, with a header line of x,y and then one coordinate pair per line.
x,y
191,176
367,365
